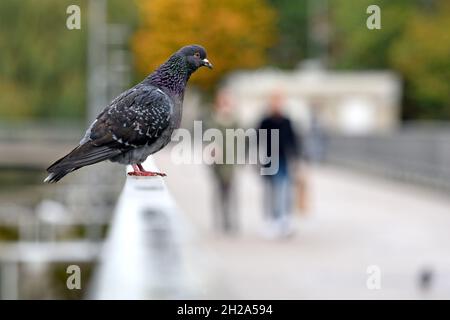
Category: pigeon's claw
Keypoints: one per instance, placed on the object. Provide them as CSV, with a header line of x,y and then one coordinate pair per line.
x,y
139,171
146,174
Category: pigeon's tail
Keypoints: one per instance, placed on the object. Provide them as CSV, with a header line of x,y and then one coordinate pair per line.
x,y
81,156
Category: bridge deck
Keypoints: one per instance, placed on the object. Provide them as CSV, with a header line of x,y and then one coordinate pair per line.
x,y
355,221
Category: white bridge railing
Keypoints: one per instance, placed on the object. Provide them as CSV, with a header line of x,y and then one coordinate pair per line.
x,y
148,253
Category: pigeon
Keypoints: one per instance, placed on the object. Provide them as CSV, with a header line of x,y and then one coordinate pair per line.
x,y
139,122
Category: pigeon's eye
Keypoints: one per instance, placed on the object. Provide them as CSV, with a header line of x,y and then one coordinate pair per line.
x,y
197,55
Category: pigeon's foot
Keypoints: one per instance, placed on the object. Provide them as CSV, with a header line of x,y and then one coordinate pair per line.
x,y
146,174
139,171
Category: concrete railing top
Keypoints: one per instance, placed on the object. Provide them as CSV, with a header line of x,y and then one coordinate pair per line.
x,y
147,253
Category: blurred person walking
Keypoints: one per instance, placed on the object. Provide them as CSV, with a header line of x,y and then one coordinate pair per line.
x,y
224,205
278,187
315,147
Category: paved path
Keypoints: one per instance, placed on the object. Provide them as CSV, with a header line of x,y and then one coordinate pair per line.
x,y
354,221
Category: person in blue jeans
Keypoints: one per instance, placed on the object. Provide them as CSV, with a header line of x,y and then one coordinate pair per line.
x,y
278,187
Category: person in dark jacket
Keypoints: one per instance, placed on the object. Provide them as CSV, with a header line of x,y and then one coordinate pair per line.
x,y
278,186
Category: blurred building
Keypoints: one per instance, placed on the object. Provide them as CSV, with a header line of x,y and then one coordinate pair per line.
x,y
344,101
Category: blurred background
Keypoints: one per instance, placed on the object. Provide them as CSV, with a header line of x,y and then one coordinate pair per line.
x,y
369,180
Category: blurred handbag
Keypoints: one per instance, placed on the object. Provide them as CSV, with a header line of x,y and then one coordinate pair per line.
x,y
301,191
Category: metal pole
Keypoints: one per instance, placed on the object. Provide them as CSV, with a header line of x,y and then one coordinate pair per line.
x,y
97,84
318,29
97,58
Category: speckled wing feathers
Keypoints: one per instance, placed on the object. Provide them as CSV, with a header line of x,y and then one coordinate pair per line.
x,y
134,119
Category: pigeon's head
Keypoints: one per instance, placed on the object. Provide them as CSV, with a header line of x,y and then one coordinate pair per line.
x,y
195,56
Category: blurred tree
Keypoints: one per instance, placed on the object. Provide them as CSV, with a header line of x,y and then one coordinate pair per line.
x,y
292,26
354,46
413,39
236,34
125,12
422,54
42,62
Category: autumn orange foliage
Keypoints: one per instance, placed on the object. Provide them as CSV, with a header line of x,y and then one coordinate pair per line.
x,y
235,33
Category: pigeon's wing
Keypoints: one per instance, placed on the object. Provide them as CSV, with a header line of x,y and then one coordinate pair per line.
x,y
134,119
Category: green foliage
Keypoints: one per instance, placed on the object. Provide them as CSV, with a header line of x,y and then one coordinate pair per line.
x,y
414,40
9,233
422,54
292,26
42,63
353,44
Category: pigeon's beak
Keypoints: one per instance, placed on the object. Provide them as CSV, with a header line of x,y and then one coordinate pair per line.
x,y
206,63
